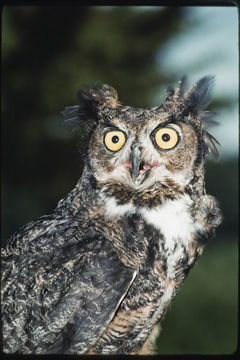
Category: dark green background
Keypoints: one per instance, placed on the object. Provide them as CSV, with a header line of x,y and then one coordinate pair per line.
x,y
48,53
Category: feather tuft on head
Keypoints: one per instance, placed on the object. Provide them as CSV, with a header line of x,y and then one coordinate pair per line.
x,y
199,96
193,102
91,100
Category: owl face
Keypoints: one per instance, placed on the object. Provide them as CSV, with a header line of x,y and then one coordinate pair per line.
x,y
137,147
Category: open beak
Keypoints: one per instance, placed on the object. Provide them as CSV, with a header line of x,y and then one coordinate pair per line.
x,y
139,169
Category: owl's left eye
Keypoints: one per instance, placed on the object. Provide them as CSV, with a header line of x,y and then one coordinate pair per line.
x,y
114,140
166,138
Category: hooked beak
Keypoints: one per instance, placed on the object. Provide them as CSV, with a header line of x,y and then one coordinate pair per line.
x,y
139,168
135,159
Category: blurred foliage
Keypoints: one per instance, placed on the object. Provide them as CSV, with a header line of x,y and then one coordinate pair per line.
x,y
47,54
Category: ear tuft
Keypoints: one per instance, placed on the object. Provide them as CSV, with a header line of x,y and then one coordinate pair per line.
x,y
192,101
105,96
199,96
91,100
99,96
180,91
181,103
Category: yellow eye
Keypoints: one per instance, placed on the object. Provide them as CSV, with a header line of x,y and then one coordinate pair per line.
x,y
114,140
166,138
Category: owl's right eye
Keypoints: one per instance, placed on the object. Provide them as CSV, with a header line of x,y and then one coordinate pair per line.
x,y
114,140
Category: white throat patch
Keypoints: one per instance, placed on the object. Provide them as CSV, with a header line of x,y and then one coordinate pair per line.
x,y
113,210
173,220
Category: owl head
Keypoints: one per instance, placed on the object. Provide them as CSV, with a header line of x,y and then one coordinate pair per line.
x,y
141,147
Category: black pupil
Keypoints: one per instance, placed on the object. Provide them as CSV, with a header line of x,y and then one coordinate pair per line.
x,y
166,137
115,139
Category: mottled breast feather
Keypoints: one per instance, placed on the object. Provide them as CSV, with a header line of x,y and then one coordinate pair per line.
x,y
97,275
61,312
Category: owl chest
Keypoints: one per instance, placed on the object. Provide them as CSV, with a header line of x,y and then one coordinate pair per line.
x,y
167,237
167,229
157,241
160,242
172,248
164,244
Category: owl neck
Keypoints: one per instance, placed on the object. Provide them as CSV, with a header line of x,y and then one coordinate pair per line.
x,y
155,195
90,194
81,198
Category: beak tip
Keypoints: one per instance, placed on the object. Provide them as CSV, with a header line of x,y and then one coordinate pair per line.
x,y
135,161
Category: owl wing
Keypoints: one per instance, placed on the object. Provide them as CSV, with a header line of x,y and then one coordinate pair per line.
x,y
61,287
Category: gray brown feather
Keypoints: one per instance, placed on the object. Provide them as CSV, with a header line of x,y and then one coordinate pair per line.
x,y
100,272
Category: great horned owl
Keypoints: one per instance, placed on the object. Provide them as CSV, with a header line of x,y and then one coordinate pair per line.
x,y
98,274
